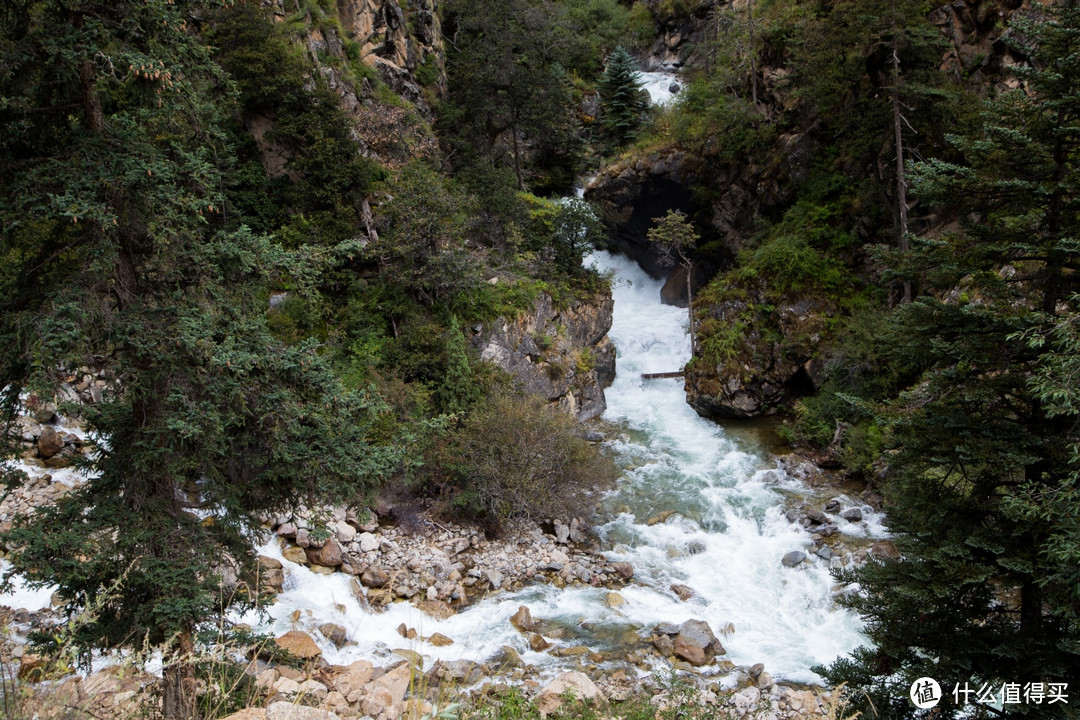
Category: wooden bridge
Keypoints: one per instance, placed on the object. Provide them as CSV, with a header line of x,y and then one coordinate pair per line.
x,y
657,376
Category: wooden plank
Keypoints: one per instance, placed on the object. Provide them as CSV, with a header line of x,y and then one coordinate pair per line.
x,y
657,376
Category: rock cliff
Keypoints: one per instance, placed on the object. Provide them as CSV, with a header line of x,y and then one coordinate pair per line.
x,y
560,354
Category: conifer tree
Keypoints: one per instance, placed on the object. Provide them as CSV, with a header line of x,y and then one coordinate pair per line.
x,y
985,593
621,106
115,250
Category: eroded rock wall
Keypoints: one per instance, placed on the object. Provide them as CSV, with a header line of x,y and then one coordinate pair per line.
x,y
560,354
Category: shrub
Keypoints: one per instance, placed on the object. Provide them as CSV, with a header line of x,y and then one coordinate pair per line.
x,y
514,457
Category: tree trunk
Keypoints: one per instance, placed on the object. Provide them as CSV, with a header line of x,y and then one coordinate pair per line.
x,y
901,180
690,306
178,701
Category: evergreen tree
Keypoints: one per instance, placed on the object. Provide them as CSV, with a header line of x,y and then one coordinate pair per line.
x,y
459,390
621,106
115,248
981,482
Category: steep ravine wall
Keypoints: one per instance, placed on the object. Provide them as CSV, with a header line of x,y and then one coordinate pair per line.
x,y
560,354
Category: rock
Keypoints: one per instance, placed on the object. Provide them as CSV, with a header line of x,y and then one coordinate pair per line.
x,y
688,651
344,532
825,552
522,619
577,531
793,558
406,632
368,542
353,680
395,683
313,688
32,667
683,592
674,87
286,686
885,550
755,670
506,657
440,640
268,563
764,681
458,672
624,569
437,609
494,577
663,645
538,643
292,711
816,516
329,555
247,714
49,442
577,684
295,554
374,577
334,633
852,514
614,600
562,532
414,658
745,700
299,644
667,628
695,547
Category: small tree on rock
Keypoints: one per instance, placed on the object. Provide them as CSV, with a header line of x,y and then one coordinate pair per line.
x,y
676,238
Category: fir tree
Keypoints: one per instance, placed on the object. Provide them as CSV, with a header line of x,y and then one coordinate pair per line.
x,y
115,248
459,390
981,481
621,106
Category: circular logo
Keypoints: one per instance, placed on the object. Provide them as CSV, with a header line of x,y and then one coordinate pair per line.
x,y
925,693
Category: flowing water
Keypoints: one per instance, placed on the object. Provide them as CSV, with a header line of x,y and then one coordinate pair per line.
x,y
724,538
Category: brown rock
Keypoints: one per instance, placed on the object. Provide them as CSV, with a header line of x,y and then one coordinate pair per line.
x,y
522,619
440,640
300,644
538,643
375,577
49,442
625,569
295,554
334,633
683,592
437,609
329,555
885,550
688,651
576,684
32,668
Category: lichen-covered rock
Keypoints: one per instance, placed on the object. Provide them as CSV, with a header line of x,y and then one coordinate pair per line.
x,y
562,355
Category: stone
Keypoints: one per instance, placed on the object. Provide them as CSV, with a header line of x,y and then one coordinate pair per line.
x,y
344,532
395,683
266,679
667,628
413,658
494,577
286,686
885,550
299,644
268,563
295,554
683,592
522,619
329,555
745,700
793,558
437,609
440,640
577,531
816,516
574,683
368,542
375,577
688,651
313,688
247,714
538,643
755,670
354,678
49,442
764,681
614,600
32,667
292,711
852,514
663,645
562,532
506,657
624,569
334,633
406,632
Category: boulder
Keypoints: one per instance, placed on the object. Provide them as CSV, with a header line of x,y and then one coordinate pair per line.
x,y
295,554
299,644
683,592
368,542
329,555
885,550
292,711
334,633
614,600
688,651
440,640
577,684
394,683
522,619
49,442
852,514
437,609
696,643
375,577
624,569
247,714
793,558
538,643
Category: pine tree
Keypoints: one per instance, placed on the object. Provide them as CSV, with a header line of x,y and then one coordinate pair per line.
x,y
621,106
981,480
459,390
115,248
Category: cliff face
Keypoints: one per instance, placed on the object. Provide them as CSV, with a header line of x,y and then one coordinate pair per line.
x,y
560,354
